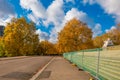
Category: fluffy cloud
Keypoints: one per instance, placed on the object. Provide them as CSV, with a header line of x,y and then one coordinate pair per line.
x,y
112,28
110,7
38,10
35,6
97,30
73,1
74,13
89,1
6,12
53,36
42,35
4,21
55,13
33,18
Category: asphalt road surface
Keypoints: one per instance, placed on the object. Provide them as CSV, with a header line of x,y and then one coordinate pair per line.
x,y
21,69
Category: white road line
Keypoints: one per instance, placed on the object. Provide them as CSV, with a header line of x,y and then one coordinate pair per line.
x,y
39,72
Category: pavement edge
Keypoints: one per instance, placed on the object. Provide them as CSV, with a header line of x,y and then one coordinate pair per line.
x,y
12,58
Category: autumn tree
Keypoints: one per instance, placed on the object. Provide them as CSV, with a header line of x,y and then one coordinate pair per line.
x,y
118,26
20,38
39,50
75,36
114,35
47,48
2,50
99,40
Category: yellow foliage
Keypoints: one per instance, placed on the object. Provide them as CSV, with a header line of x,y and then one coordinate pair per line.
x,y
74,36
48,48
20,38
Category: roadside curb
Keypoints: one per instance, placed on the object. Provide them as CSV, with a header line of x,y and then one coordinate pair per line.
x,y
12,58
40,71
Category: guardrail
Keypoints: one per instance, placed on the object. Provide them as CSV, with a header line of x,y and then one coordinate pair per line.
x,y
102,64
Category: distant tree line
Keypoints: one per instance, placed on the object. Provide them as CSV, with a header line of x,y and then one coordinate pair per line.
x,y
113,34
20,39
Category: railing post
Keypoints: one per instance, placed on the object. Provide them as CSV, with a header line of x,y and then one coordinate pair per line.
x,y
98,62
82,58
71,57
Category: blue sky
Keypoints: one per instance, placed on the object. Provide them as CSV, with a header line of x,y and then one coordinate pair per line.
x,y
50,16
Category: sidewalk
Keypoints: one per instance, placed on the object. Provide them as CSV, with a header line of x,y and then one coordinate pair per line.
x,y
61,69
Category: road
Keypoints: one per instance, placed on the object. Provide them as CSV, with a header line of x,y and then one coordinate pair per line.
x,y
21,69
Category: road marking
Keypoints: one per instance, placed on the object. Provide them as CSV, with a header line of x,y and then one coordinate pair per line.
x,y
40,71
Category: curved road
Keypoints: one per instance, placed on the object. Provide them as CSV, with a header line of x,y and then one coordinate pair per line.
x,y
23,68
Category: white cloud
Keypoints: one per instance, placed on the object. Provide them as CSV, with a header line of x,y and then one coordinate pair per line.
x,y
74,13
38,10
42,35
35,6
6,12
53,36
4,21
33,18
89,1
55,13
111,7
112,28
73,1
80,15
97,30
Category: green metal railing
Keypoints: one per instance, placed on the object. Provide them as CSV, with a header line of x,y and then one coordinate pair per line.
x,y
102,64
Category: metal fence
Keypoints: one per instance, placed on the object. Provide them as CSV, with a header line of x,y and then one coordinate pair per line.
x,y
102,64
